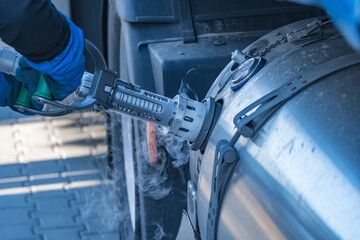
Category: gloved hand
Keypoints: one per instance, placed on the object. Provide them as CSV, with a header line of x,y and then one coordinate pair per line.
x,y
63,73
10,86
29,79
9,89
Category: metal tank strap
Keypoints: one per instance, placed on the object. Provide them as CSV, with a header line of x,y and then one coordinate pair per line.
x,y
225,160
263,108
226,157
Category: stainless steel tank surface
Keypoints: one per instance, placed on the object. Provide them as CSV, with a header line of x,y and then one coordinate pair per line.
x,y
299,176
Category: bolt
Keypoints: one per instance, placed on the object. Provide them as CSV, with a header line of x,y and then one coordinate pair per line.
x,y
238,56
230,156
277,34
247,131
219,42
177,122
181,107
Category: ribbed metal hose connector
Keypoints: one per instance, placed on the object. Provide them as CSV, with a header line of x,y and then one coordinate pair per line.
x,y
138,102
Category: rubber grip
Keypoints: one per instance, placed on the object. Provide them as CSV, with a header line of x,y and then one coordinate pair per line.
x,y
23,98
42,89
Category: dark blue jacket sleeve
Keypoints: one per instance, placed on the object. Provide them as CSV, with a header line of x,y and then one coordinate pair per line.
x,y
34,28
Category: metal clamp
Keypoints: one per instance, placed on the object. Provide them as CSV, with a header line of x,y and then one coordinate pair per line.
x,y
311,28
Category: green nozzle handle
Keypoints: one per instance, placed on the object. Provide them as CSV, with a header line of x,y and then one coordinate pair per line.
x,y
42,90
23,99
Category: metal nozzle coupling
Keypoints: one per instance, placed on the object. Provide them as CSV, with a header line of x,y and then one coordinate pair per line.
x,y
188,119
182,116
193,120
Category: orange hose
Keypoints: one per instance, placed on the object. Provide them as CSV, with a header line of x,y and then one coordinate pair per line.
x,y
151,140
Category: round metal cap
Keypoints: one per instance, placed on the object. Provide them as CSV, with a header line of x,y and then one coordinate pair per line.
x,y
244,72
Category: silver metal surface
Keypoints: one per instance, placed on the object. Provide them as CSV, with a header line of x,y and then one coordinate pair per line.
x,y
191,203
299,176
9,60
127,137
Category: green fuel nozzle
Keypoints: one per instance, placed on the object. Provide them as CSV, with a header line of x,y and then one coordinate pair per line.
x,y
42,90
23,98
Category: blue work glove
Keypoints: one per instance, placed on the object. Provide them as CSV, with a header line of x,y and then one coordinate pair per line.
x,y
29,78
63,73
9,89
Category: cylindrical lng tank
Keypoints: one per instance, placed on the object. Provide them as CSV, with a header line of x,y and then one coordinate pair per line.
x,y
299,175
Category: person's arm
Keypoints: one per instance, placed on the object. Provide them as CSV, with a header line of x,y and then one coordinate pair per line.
x,y
34,28
50,43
